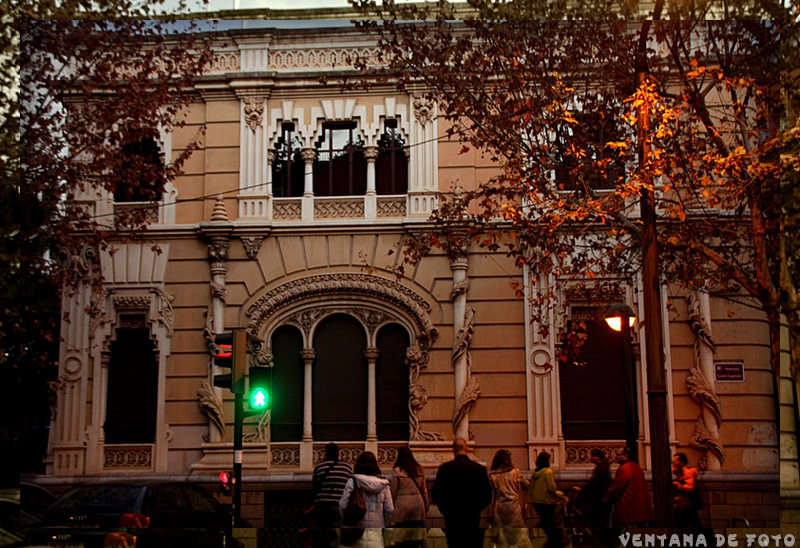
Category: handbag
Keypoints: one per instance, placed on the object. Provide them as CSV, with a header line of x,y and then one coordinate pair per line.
x,y
356,507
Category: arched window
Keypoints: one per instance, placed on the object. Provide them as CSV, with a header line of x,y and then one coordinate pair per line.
x,y
142,175
340,380
288,167
392,384
286,421
131,403
340,168
589,413
391,169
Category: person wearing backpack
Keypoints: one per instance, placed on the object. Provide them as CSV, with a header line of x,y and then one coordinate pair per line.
x,y
377,504
687,501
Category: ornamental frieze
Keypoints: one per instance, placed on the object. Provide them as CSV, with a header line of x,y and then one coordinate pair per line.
x,y
341,285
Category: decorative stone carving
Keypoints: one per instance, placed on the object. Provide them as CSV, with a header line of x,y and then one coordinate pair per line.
x,y
218,291
127,457
287,210
218,255
364,286
459,288
253,111
211,406
339,209
309,155
423,109
418,396
131,301
471,391
98,313
252,245
261,435
701,388
166,315
391,207
285,456
78,262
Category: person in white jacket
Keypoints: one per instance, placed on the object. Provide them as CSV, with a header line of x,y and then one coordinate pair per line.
x,y
378,500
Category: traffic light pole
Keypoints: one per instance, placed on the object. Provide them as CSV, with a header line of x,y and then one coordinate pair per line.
x,y
238,423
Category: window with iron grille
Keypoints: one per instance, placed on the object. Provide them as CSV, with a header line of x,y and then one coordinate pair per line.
x,y
288,167
583,157
131,403
592,385
391,169
142,175
340,168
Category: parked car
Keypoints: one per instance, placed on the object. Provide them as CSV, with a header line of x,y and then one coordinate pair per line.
x,y
19,508
134,514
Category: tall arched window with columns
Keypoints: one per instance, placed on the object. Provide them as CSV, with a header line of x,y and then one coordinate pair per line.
x,y
392,383
340,380
287,384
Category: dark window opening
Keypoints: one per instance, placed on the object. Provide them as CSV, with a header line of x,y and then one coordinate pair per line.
x,y
582,154
131,403
288,376
391,167
288,167
592,387
340,168
340,380
142,176
392,384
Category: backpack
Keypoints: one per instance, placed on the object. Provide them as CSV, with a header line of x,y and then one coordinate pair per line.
x,y
356,508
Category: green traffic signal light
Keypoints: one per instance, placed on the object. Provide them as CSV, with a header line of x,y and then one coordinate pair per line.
x,y
260,388
259,398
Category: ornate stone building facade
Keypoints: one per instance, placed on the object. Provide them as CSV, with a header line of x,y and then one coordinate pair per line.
x,y
288,222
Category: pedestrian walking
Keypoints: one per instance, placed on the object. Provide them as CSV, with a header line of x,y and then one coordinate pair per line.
x,y
633,505
327,484
687,500
461,490
377,500
546,497
589,498
507,516
410,497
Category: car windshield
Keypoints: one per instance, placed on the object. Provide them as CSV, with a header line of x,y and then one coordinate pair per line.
x,y
98,497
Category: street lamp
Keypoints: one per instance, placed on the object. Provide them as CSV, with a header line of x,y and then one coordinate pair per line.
x,y
621,318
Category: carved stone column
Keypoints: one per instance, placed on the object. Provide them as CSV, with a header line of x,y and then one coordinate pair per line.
x,y
370,199
372,415
467,390
309,155
701,384
308,355
218,234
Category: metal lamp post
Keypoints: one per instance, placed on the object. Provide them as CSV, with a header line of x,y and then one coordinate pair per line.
x,y
621,318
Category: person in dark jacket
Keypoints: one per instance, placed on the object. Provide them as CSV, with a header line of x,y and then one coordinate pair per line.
x,y
590,497
328,481
462,490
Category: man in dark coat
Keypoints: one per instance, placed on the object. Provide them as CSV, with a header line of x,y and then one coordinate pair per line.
x,y
462,490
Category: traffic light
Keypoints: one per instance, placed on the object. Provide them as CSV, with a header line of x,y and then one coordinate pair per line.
x,y
260,389
226,480
231,353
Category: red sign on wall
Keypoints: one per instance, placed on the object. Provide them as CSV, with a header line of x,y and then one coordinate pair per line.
x,y
729,371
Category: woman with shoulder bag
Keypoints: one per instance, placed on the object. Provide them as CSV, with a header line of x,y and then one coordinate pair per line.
x,y
368,532
410,497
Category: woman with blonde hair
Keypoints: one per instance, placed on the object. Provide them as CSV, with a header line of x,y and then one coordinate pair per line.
x,y
507,516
